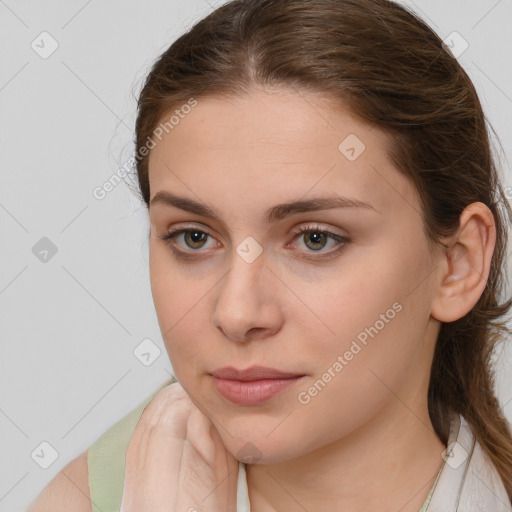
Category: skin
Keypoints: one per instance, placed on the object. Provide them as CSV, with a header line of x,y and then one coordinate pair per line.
x,y
365,440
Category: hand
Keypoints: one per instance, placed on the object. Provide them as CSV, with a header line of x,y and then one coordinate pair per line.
x,y
176,460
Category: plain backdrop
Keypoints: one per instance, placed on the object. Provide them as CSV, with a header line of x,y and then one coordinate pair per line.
x,y
75,300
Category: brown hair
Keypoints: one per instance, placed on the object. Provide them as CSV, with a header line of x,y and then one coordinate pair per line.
x,y
384,63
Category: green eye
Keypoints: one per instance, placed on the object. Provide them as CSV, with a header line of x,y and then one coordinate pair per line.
x,y
195,239
318,239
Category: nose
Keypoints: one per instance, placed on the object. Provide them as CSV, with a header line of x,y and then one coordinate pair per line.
x,y
247,306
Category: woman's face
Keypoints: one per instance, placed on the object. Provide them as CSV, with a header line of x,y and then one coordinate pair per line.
x,y
349,312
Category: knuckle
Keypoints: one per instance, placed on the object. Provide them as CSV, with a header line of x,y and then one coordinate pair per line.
x,y
167,404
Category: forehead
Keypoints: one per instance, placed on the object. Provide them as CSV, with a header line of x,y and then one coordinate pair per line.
x,y
272,143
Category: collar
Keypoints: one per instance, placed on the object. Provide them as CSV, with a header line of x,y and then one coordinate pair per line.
x,y
468,482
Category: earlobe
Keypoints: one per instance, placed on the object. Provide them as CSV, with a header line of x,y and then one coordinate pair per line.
x,y
466,263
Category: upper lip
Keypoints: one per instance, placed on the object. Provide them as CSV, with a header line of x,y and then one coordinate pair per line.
x,y
252,373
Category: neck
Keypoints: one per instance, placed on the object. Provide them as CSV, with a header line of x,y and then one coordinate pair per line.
x,y
390,463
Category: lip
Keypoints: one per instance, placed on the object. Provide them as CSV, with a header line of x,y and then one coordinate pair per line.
x,y
252,373
252,386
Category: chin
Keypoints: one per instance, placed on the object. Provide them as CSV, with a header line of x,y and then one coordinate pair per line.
x,y
261,450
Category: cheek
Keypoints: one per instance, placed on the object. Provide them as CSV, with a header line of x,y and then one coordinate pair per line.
x,y
350,296
176,289
374,310
180,301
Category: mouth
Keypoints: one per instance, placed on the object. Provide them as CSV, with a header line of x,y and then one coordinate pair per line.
x,y
254,385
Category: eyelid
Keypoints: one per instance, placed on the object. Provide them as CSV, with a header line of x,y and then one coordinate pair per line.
x,y
314,226
187,227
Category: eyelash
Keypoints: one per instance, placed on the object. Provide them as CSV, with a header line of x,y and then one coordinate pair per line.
x,y
341,241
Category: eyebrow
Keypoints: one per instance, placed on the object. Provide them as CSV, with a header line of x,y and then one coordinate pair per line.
x,y
275,213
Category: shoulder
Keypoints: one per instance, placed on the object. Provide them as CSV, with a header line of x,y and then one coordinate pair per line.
x,y
94,480
107,458
69,490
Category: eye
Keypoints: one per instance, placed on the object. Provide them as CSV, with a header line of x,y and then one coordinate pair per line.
x,y
315,239
193,239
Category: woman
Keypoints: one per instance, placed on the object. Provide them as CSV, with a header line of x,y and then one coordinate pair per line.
x,y
327,240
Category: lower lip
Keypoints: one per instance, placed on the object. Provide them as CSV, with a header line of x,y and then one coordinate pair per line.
x,y
252,392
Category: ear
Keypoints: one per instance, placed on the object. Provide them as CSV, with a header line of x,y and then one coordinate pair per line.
x,y
465,264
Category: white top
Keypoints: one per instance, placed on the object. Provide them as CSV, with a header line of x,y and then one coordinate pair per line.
x,y
242,496
468,481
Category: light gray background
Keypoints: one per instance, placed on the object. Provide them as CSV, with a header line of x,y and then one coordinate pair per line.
x,y
68,327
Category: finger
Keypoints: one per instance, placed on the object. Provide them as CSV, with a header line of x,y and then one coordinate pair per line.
x,y
206,454
163,419
205,488
200,437
154,453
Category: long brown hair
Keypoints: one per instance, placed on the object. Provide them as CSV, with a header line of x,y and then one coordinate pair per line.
x,y
383,62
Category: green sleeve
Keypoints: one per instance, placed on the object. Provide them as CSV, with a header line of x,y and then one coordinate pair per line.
x,y
106,460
